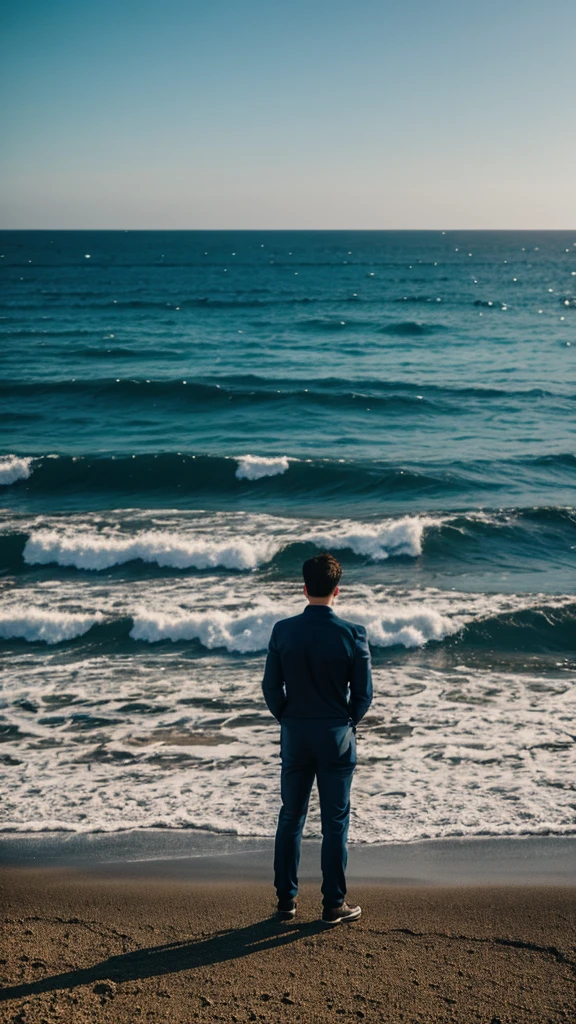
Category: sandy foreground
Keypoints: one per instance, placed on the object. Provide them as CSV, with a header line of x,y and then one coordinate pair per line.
x,y
77,947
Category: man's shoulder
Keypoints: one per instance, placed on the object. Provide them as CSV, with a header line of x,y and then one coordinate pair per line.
x,y
286,624
295,622
354,628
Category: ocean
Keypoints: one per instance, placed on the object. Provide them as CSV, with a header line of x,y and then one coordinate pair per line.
x,y
186,416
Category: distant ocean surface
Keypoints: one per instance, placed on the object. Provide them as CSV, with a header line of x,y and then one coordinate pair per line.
x,y
186,416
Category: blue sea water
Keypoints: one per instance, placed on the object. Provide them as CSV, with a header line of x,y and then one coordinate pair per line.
x,y
184,417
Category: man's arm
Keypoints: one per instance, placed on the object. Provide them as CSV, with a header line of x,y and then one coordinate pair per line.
x,y
273,682
360,677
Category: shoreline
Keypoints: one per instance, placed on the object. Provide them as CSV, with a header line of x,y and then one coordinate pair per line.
x,y
194,855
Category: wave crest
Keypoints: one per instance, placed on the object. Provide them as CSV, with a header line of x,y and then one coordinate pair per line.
x,y
20,622
377,541
102,551
254,467
249,631
13,468
245,633
218,543
466,622
406,627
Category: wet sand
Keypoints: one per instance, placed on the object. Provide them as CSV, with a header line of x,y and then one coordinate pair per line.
x,y
195,855
81,946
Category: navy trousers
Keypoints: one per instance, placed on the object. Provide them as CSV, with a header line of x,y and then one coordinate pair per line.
x,y
325,749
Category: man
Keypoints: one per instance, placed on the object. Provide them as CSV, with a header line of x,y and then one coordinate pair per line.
x,y
318,684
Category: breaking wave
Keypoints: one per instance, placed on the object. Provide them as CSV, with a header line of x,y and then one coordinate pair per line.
x,y
546,626
20,622
254,467
13,468
225,545
215,475
246,541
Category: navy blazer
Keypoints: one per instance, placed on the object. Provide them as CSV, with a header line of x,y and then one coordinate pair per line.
x,y
318,666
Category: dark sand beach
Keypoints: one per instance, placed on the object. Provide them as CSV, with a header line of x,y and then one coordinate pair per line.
x,y
166,937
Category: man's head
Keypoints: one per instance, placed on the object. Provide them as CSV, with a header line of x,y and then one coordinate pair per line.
x,y
321,578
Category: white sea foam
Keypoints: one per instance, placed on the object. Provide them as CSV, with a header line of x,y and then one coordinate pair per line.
x,y
244,632
442,752
254,467
377,540
13,468
405,626
22,622
234,614
409,619
387,624
92,550
230,540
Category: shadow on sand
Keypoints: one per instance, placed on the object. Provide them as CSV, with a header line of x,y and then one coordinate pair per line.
x,y
155,961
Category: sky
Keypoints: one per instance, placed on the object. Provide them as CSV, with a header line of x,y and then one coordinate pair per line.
x,y
262,114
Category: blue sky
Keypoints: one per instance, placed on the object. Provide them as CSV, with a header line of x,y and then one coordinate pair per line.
x,y
252,114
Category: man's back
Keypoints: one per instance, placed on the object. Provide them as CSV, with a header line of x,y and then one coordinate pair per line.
x,y
318,684
318,666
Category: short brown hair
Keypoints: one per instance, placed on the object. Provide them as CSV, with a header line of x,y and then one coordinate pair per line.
x,y
321,574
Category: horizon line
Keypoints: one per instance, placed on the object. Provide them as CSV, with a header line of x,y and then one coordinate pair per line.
x,y
292,230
